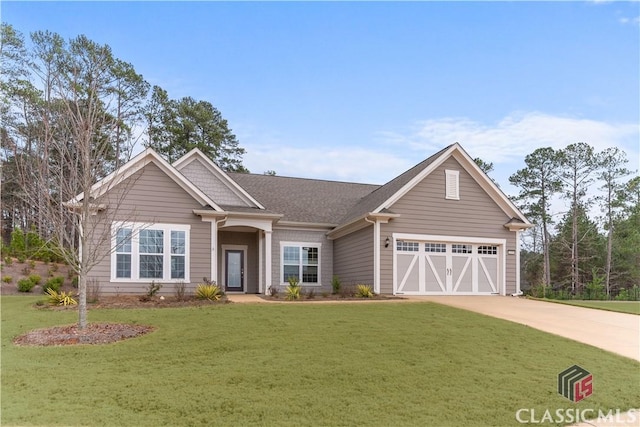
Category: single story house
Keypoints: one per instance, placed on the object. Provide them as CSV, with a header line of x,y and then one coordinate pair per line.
x,y
441,228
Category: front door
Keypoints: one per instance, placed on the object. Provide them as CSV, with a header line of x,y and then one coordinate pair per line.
x,y
234,270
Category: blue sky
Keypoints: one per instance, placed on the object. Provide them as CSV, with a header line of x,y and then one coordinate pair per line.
x,y
363,91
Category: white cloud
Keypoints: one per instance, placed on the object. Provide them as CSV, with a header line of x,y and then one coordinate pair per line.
x,y
504,143
517,135
352,164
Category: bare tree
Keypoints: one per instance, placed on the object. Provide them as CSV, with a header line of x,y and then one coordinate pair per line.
x,y
65,140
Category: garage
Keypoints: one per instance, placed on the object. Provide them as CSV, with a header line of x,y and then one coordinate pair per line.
x,y
445,265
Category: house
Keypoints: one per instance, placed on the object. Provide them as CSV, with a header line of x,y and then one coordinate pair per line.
x,y
440,228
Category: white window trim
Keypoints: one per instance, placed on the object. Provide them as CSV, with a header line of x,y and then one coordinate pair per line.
x,y
283,281
136,227
452,184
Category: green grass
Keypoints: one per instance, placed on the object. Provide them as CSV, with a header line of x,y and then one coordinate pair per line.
x,y
632,307
374,364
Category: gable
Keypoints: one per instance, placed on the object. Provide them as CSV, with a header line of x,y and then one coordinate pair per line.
x,y
212,185
213,181
426,209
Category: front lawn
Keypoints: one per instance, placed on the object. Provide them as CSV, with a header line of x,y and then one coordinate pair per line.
x,y
376,364
632,307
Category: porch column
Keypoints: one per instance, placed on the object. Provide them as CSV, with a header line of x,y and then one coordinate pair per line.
x,y
518,290
267,261
214,251
376,257
260,261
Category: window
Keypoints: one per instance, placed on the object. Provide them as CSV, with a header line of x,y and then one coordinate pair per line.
x,y
452,185
407,246
145,252
435,247
123,252
488,250
461,249
301,261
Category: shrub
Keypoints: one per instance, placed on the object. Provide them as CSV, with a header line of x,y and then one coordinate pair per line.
x,y
7,279
364,291
74,281
32,264
335,284
311,294
152,289
54,283
595,288
25,285
211,292
93,289
35,278
8,260
59,298
293,290
273,291
179,289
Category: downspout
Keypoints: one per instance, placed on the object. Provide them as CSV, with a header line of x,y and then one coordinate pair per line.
x,y
518,289
376,254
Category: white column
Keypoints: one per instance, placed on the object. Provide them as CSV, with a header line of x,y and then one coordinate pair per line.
x,y
267,261
518,262
260,261
214,251
376,257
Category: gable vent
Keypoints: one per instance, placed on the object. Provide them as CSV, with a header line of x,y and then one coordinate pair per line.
x,y
452,184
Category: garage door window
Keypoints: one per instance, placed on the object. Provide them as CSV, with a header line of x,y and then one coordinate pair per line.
x,y
435,247
488,250
461,249
408,246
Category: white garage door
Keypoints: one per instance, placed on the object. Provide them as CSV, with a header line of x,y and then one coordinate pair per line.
x,y
437,267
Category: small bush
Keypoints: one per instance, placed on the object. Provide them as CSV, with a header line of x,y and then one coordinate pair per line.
x,y
293,290
364,291
7,279
25,285
311,294
35,278
209,292
335,284
32,264
74,281
8,260
59,298
273,291
93,289
54,283
179,290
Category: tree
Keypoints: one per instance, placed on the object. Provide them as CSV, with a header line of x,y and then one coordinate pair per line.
x,y
578,164
538,183
626,239
64,116
178,126
612,162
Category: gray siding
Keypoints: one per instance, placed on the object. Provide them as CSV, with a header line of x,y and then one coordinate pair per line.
x,y
150,196
424,210
353,257
306,236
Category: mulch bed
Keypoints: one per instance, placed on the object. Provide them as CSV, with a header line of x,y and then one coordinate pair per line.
x,y
94,333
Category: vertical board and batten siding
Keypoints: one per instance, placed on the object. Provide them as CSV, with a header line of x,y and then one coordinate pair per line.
x,y
152,197
424,210
251,263
210,184
353,257
302,236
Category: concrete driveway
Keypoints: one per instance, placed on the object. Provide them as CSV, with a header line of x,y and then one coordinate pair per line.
x,y
615,332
